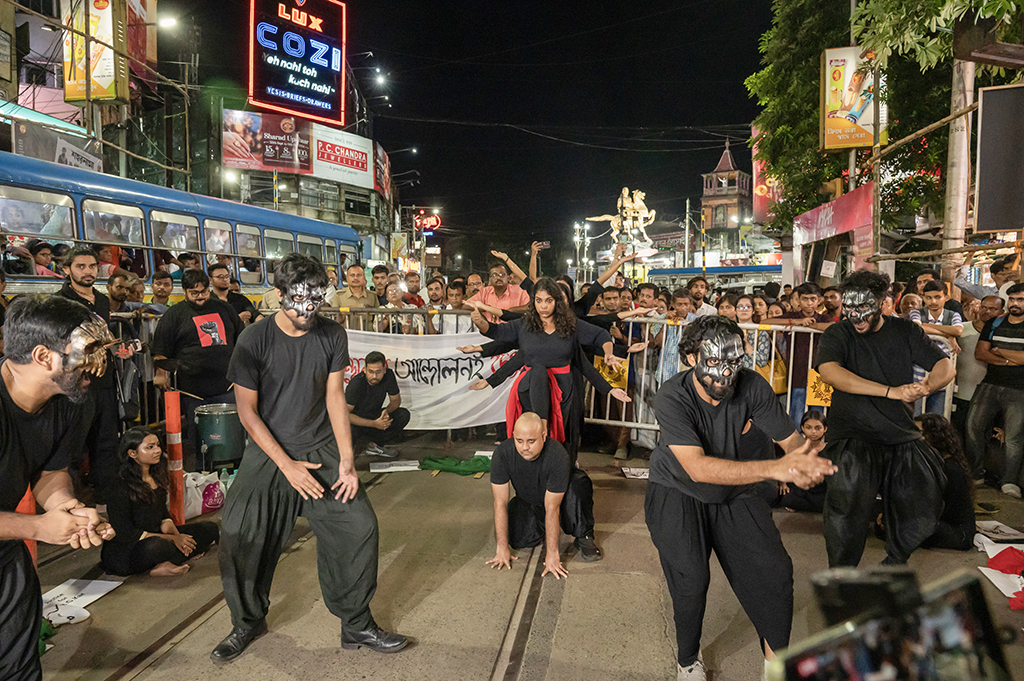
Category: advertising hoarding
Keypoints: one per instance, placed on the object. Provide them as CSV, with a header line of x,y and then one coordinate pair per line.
x,y
342,157
847,112
109,72
36,141
297,58
264,141
140,37
381,171
766,189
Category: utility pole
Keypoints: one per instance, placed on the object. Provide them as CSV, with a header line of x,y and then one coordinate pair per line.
x,y
686,237
853,152
958,166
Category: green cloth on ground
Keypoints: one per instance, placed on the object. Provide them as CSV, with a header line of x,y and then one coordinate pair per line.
x,y
46,632
449,464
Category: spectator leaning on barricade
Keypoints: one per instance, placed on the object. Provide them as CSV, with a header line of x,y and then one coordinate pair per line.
x,y
220,287
379,274
435,294
355,294
1004,275
501,294
698,287
474,282
454,323
807,316
832,301
81,266
398,323
200,334
969,371
370,417
1001,393
937,321
917,284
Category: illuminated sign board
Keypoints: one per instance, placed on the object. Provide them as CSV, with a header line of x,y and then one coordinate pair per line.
x,y
424,221
297,58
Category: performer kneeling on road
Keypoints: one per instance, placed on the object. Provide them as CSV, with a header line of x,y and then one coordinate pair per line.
x,y
365,397
288,373
700,495
869,359
551,496
54,347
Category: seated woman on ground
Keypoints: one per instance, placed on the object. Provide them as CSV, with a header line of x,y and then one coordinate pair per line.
x,y
813,425
146,538
956,525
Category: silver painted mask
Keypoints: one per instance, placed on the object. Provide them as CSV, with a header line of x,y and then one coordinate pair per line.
x,y
860,305
304,300
719,360
89,343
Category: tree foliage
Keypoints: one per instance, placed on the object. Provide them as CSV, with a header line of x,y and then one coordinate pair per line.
x,y
923,29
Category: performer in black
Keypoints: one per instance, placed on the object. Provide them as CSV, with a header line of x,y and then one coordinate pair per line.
x,y
549,338
700,495
54,347
869,360
288,372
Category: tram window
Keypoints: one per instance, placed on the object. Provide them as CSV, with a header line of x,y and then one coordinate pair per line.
x,y
112,222
250,271
332,252
279,244
311,246
174,232
30,212
248,240
218,236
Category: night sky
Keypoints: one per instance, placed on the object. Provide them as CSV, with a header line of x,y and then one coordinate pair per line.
x,y
645,77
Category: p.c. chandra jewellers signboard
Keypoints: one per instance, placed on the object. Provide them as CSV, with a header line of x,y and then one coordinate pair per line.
x,y
297,58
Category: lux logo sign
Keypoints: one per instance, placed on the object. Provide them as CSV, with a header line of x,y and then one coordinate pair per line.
x,y
295,46
299,17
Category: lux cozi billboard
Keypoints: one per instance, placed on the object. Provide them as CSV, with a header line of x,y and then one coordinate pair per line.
x,y
297,58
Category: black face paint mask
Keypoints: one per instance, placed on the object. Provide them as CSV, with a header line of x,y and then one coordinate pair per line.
x,y
305,301
860,305
719,360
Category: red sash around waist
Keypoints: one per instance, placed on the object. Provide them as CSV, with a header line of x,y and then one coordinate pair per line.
x,y
514,409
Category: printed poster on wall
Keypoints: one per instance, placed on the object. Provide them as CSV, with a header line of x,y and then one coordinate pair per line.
x,y
381,171
848,90
140,36
109,72
46,144
342,157
255,141
434,377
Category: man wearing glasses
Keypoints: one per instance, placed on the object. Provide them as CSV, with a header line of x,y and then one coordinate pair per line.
x,y
220,282
501,294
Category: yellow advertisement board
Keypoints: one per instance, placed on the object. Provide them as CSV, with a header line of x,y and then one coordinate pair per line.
x,y
848,91
107,72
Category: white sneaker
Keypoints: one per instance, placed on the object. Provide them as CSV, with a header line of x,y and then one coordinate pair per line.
x,y
694,672
1011,490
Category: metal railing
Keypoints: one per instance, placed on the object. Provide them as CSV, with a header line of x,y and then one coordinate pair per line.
x,y
648,369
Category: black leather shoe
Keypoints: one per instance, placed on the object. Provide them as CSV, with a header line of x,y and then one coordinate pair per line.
x,y
373,638
588,549
237,641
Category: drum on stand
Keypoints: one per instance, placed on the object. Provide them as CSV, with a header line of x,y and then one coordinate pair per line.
x,y
221,436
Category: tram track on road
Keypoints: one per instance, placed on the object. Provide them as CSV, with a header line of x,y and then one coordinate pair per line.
x,y
146,658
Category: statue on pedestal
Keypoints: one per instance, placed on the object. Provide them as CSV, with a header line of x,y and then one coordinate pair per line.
x,y
632,214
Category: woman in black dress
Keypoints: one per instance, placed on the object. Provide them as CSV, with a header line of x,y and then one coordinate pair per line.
x,y
146,537
550,339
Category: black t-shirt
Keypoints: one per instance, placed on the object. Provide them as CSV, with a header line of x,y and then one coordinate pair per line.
x,y
367,399
886,356
290,374
549,472
31,444
202,338
687,420
240,304
1008,337
101,306
131,518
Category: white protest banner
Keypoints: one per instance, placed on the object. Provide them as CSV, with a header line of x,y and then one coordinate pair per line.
x,y
434,377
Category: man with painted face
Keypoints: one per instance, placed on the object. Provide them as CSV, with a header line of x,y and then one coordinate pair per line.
x,y
716,419
869,361
200,334
55,347
289,375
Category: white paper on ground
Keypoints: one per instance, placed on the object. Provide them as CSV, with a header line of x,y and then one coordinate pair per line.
x,y
994,529
1008,584
636,473
393,466
489,454
66,603
990,547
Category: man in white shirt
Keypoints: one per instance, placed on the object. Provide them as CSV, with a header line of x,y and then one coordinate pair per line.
x,y
698,287
452,323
